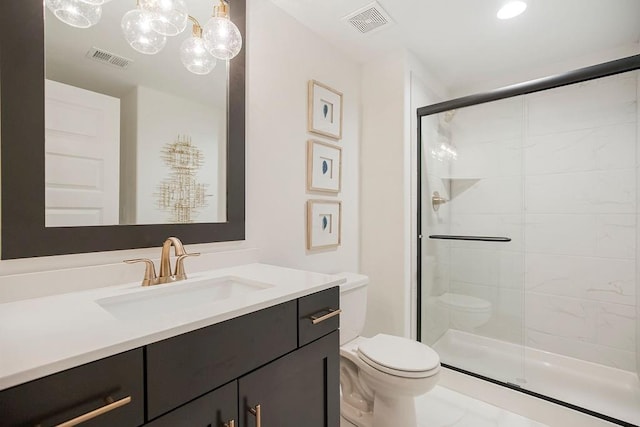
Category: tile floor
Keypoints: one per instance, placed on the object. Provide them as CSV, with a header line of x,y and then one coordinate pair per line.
x,y
442,407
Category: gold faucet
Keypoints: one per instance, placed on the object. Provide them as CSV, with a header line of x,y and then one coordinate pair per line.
x,y
165,276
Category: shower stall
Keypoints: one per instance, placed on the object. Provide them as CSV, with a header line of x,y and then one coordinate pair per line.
x,y
529,237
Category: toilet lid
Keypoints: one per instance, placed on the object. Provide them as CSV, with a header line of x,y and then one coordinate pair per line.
x,y
399,356
464,302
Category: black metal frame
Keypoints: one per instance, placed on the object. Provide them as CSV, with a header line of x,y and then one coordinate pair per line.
x,y
610,68
22,89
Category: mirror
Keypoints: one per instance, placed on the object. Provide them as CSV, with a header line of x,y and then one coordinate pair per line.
x,y
24,124
131,138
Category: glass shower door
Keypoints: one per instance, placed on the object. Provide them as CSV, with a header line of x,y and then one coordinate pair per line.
x,y
472,262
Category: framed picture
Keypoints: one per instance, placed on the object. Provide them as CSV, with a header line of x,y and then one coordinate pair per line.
x,y
323,224
325,110
324,167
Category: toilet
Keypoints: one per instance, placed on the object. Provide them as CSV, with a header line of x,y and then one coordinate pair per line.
x,y
379,376
466,312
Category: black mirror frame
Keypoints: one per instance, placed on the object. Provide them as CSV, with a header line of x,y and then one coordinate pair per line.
x,y
22,141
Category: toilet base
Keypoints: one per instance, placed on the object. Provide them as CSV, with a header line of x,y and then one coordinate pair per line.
x,y
392,411
387,411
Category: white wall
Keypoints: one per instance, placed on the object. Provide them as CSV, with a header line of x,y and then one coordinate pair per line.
x,y
384,248
392,87
282,56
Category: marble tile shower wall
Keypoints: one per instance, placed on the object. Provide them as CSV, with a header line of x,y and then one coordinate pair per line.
x,y
557,171
580,160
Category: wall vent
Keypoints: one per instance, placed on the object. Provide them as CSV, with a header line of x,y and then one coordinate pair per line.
x,y
108,58
369,18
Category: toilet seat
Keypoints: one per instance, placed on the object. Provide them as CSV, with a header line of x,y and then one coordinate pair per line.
x,y
400,357
465,303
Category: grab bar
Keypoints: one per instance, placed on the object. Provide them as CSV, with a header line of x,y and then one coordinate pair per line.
x,y
471,238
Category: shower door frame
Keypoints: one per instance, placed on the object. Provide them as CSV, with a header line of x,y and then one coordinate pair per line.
x,y
606,69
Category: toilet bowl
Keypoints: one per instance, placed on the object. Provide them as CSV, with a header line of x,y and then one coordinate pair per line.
x,y
465,312
379,376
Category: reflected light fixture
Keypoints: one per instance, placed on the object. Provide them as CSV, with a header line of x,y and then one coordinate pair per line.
x,y
147,26
137,29
77,13
221,35
511,9
169,17
194,52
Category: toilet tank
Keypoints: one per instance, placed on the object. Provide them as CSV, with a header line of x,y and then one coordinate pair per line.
x,y
353,302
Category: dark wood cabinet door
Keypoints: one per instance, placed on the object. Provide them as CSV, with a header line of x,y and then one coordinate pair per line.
x,y
110,390
216,409
299,389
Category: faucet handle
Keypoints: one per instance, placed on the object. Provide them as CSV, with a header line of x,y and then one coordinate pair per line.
x,y
150,277
180,273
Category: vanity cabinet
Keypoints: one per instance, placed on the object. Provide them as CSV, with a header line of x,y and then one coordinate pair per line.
x,y
299,389
182,368
276,367
109,391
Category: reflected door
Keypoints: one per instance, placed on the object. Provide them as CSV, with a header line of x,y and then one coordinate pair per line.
x,y
82,150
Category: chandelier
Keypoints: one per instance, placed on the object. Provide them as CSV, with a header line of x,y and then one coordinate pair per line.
x,y
147,27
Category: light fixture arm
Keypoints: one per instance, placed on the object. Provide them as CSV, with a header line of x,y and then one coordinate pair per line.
x,y
197,28
221,10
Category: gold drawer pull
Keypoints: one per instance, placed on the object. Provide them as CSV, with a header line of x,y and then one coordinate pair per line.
x,y
315,319
257,413
96,412
231,423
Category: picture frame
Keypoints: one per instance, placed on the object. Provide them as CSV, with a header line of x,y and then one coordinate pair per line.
x,y
324,167
324,224
325,110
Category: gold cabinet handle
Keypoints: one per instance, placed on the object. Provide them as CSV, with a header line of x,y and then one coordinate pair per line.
x,y
315,319
257,413
96,413
231,423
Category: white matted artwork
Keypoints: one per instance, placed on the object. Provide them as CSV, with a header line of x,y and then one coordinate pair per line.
x,y
323,224
324,167
325,110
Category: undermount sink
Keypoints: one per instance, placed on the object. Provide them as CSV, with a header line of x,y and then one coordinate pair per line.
x,y
178,296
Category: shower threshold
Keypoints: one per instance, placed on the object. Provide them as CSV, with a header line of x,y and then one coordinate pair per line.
x,y
597,388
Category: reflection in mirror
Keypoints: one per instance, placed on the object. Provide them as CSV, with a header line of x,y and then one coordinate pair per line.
x,y
131,138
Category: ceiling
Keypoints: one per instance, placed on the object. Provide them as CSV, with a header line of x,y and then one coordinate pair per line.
x,y
463,43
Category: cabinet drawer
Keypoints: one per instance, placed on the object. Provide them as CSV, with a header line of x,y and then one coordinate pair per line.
x,y
106,383
181,368
214,409
321,308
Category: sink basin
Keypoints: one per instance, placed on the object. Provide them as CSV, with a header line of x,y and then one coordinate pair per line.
x,y
178,296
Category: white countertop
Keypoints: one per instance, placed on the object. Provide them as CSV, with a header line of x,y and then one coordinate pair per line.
x,y
42,336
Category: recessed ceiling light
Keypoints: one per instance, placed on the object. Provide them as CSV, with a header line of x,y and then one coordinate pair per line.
x,y
511,9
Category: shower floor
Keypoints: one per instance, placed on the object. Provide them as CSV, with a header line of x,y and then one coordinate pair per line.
x,y
599,388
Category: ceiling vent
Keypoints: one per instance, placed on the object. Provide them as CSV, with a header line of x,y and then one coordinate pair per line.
x,y
108,58
368,19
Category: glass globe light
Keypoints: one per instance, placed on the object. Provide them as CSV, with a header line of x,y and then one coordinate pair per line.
x,y
195,56
169,16
75,12
223,38
136,25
